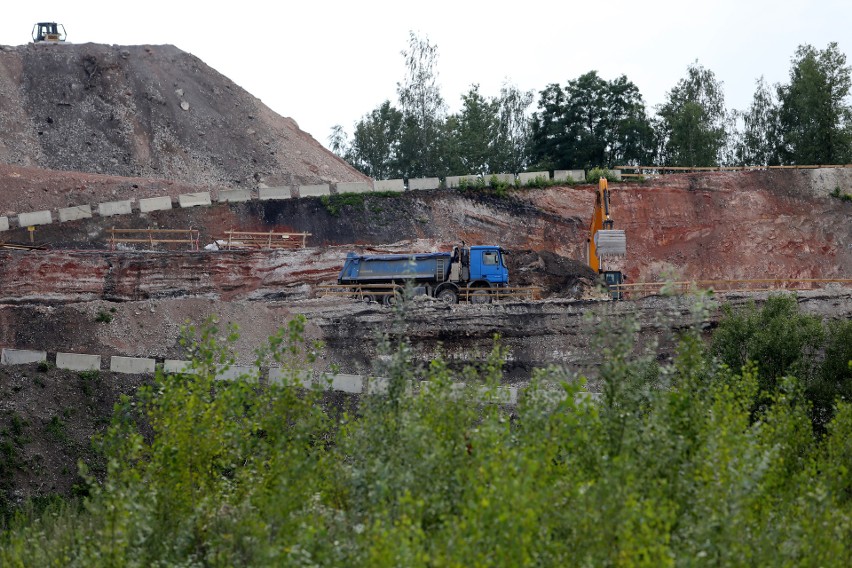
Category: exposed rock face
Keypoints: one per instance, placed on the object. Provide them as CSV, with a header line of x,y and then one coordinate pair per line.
x,y
148,111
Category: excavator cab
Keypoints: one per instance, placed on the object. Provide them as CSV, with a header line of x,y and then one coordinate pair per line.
x,y
50,32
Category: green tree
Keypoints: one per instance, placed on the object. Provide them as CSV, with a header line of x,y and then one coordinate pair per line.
x,y
815,117
693,120
513,130
591,123
471,134
375,145
423,110
759,143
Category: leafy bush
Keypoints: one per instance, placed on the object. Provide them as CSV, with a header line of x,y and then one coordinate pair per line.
x,y
334,204
841,196
103,317
595,174
672,465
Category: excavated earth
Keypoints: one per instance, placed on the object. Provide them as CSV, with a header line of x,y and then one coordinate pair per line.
x,y
85,124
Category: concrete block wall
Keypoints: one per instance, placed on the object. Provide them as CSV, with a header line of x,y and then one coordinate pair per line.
x,y
75,213
314,190
526,177
21,356
111,208
455,181
352,384
78,362
238,195
131,365
35,218
424,183
389,185
569,175
4,223
202,198
155,204
353,187
265,193
504,178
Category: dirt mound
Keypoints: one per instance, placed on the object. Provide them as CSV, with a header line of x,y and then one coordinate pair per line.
x,y
148,111
558,276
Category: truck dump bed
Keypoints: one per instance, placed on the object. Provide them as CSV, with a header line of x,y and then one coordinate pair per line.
x,y
389,267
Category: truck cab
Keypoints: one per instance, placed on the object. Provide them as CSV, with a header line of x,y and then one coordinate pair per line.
x,y
488,264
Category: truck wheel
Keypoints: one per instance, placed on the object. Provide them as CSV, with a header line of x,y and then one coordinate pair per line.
x,y
391,299
369,298
480,296
448,296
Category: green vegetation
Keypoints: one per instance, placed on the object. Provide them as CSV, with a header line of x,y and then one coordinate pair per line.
x,y
103,317
595,174
591,121
692,462
841,196
334,204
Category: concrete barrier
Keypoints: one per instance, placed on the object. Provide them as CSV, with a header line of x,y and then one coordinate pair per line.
x,y
267,193
21,356
236,371
389,185
353,187
569,175
455,181
176,366
4,223
526,177
234,195
75,213
155,204
131,365
78,362
314,190
501,178
616,174
35,218
194,199
377,385
352,384
424,183
278,376
111,208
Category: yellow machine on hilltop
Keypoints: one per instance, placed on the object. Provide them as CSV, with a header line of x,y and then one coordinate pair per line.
x,y
48,32
604,241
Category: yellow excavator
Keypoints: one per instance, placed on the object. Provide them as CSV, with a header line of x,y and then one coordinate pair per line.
x,y
48,32
605,241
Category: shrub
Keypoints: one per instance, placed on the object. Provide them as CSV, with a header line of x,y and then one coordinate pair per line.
x,y
594,175
103,317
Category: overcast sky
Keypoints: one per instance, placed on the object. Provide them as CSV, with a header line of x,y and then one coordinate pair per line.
x,y
327,63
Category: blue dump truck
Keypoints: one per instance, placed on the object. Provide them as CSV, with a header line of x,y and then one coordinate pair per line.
x,y
476,274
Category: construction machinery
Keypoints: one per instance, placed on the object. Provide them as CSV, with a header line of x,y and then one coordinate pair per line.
x,y
48,32
604,241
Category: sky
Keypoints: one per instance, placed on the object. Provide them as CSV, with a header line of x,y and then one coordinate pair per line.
x,y
331,62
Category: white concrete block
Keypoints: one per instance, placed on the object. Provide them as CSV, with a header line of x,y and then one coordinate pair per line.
x,y
377,385
75,213
236,371
501,178
234,195
501,395
194,199
176,366
149,204
455,181
131,365
353,187
4,223
616,174
352,384
78,362
569,175
34,218
111,208
267,193
424,183
389,185
21,356
526,177
314,190
302,378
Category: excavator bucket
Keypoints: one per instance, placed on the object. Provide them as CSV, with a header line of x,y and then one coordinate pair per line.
x,y
610,242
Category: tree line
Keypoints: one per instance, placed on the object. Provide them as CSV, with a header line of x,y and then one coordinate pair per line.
x,y
592,122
